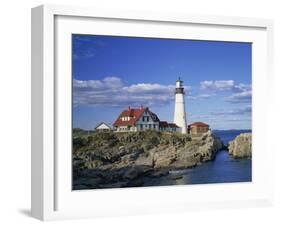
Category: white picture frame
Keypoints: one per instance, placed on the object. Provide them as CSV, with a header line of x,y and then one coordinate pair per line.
x,y
52,197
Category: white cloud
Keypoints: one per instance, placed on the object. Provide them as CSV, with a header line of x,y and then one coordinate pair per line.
x,y
199,97
112,82
112,92
224,85
242,97
236,111
242,87
98,85
219,85
241,93
149,88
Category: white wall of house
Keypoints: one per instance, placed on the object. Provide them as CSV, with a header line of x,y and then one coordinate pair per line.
x,y
146,122
126,129
122,129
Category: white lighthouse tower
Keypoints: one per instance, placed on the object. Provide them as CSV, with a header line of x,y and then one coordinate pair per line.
x,y
180,117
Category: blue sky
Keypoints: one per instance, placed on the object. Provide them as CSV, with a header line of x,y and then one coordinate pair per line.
x,y
111,73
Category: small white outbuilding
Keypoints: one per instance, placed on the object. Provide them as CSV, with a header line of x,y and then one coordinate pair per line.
x,y
102,127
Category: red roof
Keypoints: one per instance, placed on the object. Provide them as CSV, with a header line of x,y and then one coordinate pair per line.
x,y
199,124
134,114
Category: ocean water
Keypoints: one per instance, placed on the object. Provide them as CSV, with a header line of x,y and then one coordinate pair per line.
x,y
223,169
229,135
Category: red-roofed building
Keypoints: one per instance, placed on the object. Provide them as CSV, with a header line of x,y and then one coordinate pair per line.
x,y
136,119
198,128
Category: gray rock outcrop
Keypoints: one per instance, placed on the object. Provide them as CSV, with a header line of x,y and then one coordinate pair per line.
x,y
127,157
241,146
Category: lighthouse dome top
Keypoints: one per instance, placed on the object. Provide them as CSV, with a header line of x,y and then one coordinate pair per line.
x,y
179,79
179,83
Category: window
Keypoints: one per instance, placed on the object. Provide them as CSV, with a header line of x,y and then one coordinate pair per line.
x,y
145,118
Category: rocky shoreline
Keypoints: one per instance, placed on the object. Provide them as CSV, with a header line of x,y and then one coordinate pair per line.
x,y
241,146
109,160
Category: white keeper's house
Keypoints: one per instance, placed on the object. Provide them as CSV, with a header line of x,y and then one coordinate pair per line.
x,y
140,119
